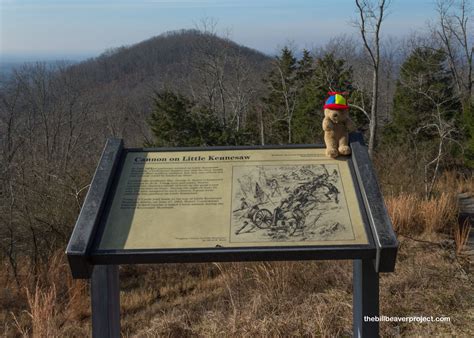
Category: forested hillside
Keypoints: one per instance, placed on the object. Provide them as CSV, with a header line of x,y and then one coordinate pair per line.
x,y
56,118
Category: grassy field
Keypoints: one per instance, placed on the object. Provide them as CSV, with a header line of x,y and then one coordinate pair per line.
x,y
432,278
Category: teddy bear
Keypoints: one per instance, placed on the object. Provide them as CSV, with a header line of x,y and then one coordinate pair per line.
x,y
337,125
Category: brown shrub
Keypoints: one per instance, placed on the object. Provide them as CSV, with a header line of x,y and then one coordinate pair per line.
x,y
43,310
461,236
438,213
455,183
403,210
413,215
47,302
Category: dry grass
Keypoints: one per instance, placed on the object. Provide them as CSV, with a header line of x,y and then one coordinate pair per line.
x,y
137,299
455,183
312,298
261,299
265,299
461,236
411,214
43,311
48,303
438,213
404,211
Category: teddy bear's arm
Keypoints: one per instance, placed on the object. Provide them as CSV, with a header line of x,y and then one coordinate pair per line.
x,y
350,125
327,125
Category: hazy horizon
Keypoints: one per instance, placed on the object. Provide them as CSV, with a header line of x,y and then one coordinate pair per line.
x,y
75,30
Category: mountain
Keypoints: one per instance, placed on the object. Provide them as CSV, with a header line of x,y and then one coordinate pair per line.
x,y
54,120
199,65
174,51
113,93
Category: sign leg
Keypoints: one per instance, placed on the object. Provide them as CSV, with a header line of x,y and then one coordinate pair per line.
x,y
365,298
105,297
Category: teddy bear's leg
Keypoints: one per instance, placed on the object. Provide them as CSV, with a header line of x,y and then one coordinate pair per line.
x,y
344,148
331,144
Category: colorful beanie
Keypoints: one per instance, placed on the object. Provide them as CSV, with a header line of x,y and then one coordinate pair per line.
x,y
336,101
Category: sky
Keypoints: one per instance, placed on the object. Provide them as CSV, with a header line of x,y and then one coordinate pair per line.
x,y
77,29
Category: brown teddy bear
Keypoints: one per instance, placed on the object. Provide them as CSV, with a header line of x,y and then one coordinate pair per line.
x,y
337,125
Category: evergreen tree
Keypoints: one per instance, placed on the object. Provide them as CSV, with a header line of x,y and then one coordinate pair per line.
x,y
178,122
424,88
306,84
426,114
170,121
306,118
305,67
326,74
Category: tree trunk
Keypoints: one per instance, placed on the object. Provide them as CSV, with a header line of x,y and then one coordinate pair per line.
x,y
289,130
262,135
373,112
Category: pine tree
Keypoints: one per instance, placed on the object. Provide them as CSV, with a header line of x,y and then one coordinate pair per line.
x,y
424,87
326,74
179,122
307,113
426,114
305,67
306,83
170,121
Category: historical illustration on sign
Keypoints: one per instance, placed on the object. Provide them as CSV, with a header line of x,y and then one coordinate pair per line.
x,y
233,198
289,203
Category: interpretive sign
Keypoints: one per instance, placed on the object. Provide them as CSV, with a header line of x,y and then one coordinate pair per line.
x,y
232,198
164,205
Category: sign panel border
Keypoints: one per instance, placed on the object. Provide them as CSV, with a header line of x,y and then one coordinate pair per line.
x,y
83,251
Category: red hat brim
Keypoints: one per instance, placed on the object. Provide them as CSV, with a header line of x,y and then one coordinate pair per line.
x,y
336,106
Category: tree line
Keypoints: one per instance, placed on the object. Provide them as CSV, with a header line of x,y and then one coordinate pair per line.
x,y
412,94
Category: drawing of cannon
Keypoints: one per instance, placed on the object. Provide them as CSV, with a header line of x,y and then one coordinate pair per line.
x,y
289,220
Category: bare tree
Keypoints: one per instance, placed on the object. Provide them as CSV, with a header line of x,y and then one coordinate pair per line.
x,y
445,131
210,62
288,91
371,16
44,135
439,124
283,89
227,76
453,31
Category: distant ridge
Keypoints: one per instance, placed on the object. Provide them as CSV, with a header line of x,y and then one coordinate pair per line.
x,y
163,58
116,90
120,83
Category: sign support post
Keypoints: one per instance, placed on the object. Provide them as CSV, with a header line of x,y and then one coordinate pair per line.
x,y
105,299
365,298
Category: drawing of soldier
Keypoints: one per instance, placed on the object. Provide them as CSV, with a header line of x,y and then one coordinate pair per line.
x,y
274,187
299,214
333,177
259,194
332,190
243,204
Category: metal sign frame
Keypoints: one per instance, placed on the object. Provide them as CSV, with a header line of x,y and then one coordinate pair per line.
x,y
87,261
